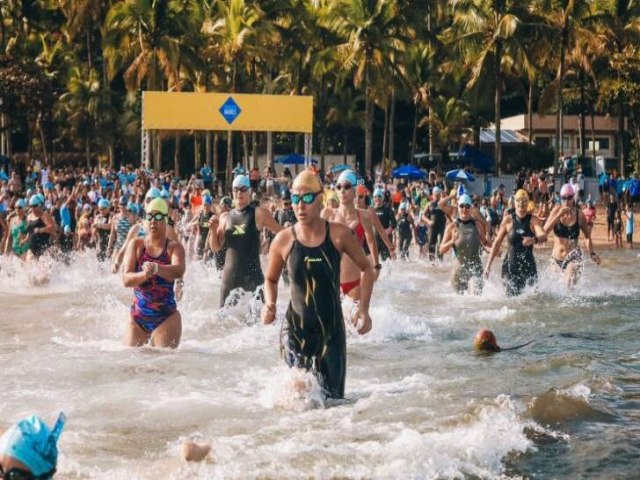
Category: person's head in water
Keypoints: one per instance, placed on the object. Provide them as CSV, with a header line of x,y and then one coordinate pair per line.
x,y
464,206
485,341
241,191
306,197
156,216
29,449
346,187
521,202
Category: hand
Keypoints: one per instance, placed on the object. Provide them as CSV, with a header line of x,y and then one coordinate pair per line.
x,y
362,322
178,289
564,210
115,267
596,258
149,269
486,272
268,314
528,241
393,253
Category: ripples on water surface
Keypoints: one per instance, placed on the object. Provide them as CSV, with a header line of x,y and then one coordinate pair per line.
x,y
418,403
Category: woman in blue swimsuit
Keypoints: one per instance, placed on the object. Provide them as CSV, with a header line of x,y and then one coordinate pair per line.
x,y
152,264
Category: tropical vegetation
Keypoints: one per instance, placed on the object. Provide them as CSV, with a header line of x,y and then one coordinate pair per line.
x,y
389,78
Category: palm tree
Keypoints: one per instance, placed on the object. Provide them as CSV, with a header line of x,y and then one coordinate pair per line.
x,y
345,112
372,33
145,39
485,36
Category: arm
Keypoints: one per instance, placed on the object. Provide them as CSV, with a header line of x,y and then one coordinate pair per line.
x,y
216,232
346,243
272,274
380,229
131,278
587,235
554,216
447,209
177,267
539,232
371,238
112,236
449,238
50,226
502,232
265,220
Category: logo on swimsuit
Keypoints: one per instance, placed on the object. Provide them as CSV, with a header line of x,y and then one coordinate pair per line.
x,y
309,259
520,231
239,229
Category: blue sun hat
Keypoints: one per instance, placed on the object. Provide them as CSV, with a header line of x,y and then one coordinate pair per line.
x,y
241,181
32,443
104,203
348,176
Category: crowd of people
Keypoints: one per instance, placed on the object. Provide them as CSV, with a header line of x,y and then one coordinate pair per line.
x,y
326,234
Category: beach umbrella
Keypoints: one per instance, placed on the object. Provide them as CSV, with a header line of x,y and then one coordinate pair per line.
x,y
460,174
410,172
294,159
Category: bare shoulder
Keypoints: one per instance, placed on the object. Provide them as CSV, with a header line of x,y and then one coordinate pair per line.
x,y
283,240
175,245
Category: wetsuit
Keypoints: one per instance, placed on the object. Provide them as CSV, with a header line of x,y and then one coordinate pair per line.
x,y
103,237
313,334
467,249
242,263
519,269
571,232
436,232
38,242
405,226
154,299
18,231
387,219
203,233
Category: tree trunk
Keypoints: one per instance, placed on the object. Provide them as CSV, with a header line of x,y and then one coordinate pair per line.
x,y
197,154
530,113
593,140
176,157
215,158
560,107
392,117
323,149
414,136
89,56
254,150
498,100
42,137
620,134
368,129
345,139
207,149
228,164
385,132
581,133
87,153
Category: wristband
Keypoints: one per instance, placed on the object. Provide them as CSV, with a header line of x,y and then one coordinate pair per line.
x,y
377,266
593,254
535,240
180,282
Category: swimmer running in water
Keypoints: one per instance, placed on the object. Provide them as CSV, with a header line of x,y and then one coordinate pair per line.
x,y
151,265
566,221
313,333
239,229
522,230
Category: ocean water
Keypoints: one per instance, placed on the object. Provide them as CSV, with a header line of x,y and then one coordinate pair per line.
x,y
419,403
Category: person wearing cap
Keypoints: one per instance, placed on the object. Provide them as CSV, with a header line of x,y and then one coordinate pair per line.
x,y
382,238
84,228
463,236
201,224
449,203
436,220
151,266
29,449
359,222
101,228
522,230
18,239
120,226
225,206
313,332
40,228
387,221
240,230
406,227
567,221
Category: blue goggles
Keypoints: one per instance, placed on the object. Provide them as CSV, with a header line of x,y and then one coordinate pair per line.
x,y
307,198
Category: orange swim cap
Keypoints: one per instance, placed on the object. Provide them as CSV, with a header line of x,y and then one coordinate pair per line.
x,y
485,341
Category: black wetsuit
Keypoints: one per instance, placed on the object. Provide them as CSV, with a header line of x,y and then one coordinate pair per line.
x,y
387,219
103,237
436,214
313,335
242,263
467,248
203,233
519,269
38,242
405,229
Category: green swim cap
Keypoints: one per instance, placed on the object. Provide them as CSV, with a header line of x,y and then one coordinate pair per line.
x,y
158,205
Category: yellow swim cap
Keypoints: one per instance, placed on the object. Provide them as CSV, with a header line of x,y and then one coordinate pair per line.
x,y
520,194
307,179
158,205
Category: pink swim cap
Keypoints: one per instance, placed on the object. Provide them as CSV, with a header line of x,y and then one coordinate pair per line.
x,y
567,190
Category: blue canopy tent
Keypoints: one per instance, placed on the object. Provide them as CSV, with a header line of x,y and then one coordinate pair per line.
x,y
294,159
478,159
410,172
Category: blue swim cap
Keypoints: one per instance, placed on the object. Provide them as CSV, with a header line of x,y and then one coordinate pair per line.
x,y
104,203
122,200
207,200
35,201
348,176
153,193
31,442
241,181
378,192
132,207
21,203
437,190
465,199
164,193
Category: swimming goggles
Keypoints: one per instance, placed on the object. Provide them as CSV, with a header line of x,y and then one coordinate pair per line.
x,y
307,198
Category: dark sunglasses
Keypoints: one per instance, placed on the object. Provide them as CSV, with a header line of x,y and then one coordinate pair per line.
x,y
344,186
240,189
307,198
378,196
158,217
568,197
286,204
464,205
20,474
